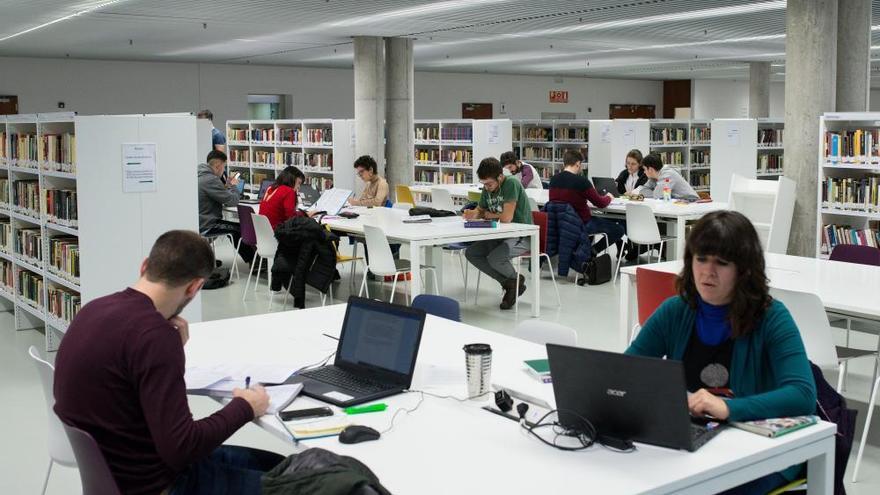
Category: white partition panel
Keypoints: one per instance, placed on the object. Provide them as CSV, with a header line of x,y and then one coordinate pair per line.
x,y
734,151
599,153
626,134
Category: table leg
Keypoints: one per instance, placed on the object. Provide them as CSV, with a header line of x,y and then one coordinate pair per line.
x,y
415,260
434,257
678,254
820,470
536,273
626,313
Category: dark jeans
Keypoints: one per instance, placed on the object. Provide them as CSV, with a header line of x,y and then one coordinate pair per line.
x,y
228,470
223,227
598,225
760,486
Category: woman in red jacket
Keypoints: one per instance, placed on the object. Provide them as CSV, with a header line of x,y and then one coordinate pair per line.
x,y
279,202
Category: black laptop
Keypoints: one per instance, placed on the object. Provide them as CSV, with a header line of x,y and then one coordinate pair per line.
x,y
606,185
309,195
626,397
264,186
375,358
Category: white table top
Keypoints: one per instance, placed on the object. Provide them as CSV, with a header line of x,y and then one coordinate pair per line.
x,y
459,447
847,288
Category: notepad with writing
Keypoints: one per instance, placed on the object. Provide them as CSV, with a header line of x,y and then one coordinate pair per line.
x,y
775,427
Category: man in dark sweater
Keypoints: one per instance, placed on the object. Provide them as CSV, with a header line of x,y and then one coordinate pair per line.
x,y
119,376
572,187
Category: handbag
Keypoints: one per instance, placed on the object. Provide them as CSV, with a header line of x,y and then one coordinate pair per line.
x,y
597,270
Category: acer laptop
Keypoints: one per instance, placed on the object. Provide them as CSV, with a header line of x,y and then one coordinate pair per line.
x,y
375,358
625,397
606,185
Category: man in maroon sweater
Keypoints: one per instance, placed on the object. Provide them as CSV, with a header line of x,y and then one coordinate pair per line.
x,y
119,376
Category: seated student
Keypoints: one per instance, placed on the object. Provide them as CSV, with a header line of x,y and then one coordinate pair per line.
x,y
376,191
743,354
279,202
524,172
119,376
503,199
660,175
213,196
572,187
633,175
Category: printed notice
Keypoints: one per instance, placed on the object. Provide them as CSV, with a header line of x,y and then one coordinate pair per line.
x,y
494,134
629,135
733,135
605,132
138,167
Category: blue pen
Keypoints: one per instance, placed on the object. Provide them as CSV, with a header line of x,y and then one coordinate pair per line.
x,y
247,382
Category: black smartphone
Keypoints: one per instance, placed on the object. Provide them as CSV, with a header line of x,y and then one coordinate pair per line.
x,y
315,412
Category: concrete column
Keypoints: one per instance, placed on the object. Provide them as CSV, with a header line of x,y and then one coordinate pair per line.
x,y
369,98
810,67
853,55
399,97
759,90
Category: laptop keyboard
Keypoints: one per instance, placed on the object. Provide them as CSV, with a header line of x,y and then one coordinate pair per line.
x,y
343,379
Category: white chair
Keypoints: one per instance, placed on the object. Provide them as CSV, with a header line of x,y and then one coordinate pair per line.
x,y
545,332
212,241
808,313
641,230
59,447
266,247
441,199
382,263
533,204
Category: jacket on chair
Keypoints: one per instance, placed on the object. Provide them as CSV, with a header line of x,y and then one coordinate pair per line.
x,y
305,251
566,237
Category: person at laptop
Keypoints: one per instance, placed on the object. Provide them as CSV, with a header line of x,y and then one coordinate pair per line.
x,y
376,191
660,176
572,187
633,176
279,202
742,352
503,199
120,377
213,196
524,172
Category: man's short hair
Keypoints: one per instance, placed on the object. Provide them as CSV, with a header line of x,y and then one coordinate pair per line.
x,y
216,155
490,168
178,257
652,161
507,158
206,114
367,162
571,157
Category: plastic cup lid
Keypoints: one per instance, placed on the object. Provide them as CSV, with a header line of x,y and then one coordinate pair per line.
x,y
478,349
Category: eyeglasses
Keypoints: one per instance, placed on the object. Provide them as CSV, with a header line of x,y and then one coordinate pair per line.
x,y
361,172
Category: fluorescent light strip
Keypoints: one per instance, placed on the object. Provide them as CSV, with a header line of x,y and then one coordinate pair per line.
x,y
60,19
414,11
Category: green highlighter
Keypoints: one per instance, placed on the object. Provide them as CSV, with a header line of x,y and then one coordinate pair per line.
x,y
366,409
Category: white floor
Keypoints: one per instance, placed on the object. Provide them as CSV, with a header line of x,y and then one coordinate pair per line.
x,y
592,311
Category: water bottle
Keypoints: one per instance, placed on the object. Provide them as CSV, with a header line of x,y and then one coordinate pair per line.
x,y
667,191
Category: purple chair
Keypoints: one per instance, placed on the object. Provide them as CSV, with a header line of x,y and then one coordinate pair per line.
x,y
850,253
93,470
248,234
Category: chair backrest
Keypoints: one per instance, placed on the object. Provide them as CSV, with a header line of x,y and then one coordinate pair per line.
x,y
545,332
266,242
474,196
850,253
652,288
93,470
809,315
641,226
442,306
533,204
246,224
381,261
403,206
441,199
59,446
404,194
539,218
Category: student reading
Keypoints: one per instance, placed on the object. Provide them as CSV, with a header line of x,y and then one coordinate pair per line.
x,y
633,175
524,172
375,192
742,352
279,202
119,376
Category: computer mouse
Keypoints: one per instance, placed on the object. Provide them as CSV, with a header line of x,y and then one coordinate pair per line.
x,y
358,434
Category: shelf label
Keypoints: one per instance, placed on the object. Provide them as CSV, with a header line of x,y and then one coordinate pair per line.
x,y
138,167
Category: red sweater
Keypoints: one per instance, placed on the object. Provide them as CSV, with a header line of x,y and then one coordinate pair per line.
x,y
279,205
576,190
119,376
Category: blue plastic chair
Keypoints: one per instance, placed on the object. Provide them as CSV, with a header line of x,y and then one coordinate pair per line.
x,y
441,306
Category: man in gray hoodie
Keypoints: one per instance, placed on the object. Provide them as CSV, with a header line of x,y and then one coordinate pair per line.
x,y
213,196
660,175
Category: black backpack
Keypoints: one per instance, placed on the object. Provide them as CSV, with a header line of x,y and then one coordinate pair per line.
x,y
597,270
831,407
219,278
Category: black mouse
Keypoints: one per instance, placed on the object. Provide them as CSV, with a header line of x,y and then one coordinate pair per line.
x,y
358,434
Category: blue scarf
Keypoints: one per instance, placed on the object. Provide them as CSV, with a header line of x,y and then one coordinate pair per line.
x,y
713,324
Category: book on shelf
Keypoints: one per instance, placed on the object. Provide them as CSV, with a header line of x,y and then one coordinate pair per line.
x,y
29,243
30,288
770,137
287,158
60,206
701,134
538,153
24,150
427,134
770,163
63,303
64,256
59,152
4,190
850,193
264,158
318,160
456,178
673,158
7,275
322,136
539,369
239,156
263,135
461,134
237,134
538,134
835,235
577,134
427,155
700,157
5,235
4,153
853,146
775,427
668,135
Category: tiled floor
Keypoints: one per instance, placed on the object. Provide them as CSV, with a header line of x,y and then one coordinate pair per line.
x,y
592,311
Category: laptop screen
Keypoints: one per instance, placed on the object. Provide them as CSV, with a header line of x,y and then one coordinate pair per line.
x,y
380,335
264,186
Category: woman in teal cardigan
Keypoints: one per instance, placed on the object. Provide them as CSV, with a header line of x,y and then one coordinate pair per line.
x,y
742,352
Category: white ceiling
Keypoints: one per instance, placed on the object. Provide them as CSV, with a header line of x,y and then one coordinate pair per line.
x,y
651,39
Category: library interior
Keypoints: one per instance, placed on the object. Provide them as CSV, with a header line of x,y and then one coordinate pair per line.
x,y
252,247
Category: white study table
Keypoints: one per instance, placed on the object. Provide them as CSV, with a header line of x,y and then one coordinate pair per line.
x,y
446,446
677,214
846,289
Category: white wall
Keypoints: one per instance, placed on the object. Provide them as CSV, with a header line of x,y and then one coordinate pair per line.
x,y
713,98
110,87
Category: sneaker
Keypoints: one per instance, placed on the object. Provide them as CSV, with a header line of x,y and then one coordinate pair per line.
x,y
510,292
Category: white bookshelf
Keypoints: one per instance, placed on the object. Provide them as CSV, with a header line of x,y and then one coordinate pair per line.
x,y
322,148
770,160
543,143
669,140
769,205
699,157
848,180
734,152
449,151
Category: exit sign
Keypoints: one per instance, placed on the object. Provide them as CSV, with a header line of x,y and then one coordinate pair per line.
x,y
559,97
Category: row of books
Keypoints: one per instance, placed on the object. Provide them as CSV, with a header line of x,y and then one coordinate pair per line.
x,y
431,176
5,235
25,149
26,196
29,243
318,160
7,276
537,134
833,235
547,172
770,137
572,134
59,151
3,152
560,153
701,134
4,190
700,180
700,158
456,178
537,153
286,158
290,135
263,135
30,287
264,157
851,193
855,146
668,135
457,156
60,206
319,183
770,163
432,155
457,134
237,155
674,158
237,134
63,304
64,256
427,133
323,135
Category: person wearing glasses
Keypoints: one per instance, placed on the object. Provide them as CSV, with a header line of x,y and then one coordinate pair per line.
x,y
376,191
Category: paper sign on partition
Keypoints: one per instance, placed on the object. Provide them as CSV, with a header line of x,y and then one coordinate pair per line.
x,y
139,167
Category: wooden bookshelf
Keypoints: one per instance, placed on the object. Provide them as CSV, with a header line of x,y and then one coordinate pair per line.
x,y
449,151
